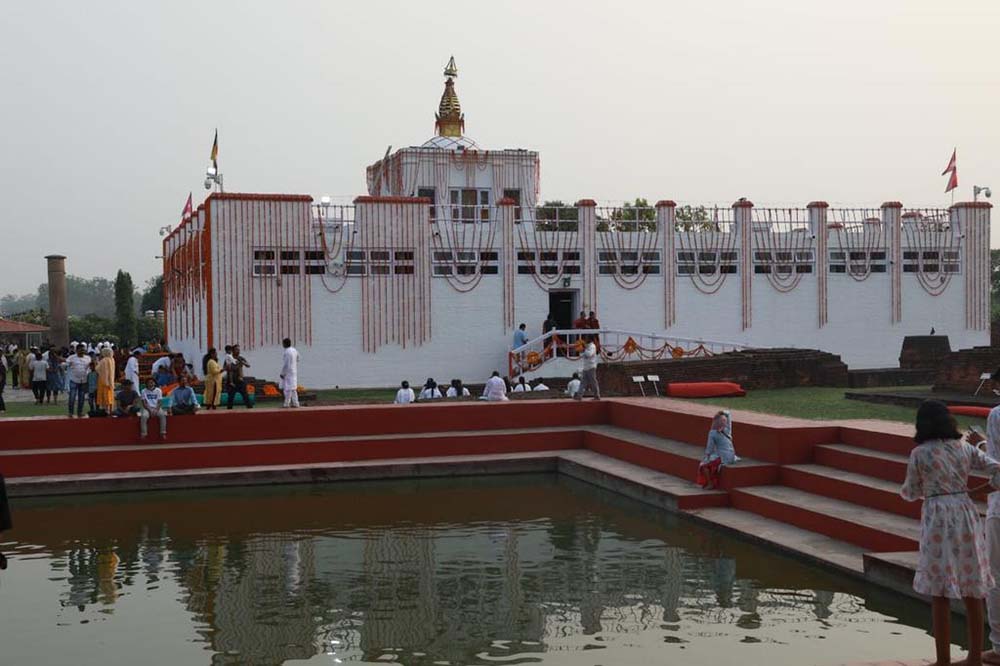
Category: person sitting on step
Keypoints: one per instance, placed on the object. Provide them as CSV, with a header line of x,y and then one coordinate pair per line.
x,y
183,401
719,451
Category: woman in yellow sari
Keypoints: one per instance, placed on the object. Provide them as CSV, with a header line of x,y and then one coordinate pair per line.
x,y
213,379
106,381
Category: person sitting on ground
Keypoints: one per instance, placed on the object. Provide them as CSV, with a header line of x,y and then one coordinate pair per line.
x,y
719,451
540,386
573,385
127,399
151,408
522,386
495,389
456,390
183,401
404,395
163,376
431,390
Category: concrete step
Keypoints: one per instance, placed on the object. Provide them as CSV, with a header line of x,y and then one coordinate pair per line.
x,y
878,464
646,485
676,458
803,543
851,487
154,455
862,526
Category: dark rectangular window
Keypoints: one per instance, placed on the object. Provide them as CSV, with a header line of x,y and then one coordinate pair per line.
x,y
877,256
952,268
489,256
315,270
762,269
355,255
516,196
877,268
838,256
630,256
729,269
911,255
379,255
571,256
631,269
466,256
685,256
403,269
263,255
465,269
651,269
727,256
289,255
803,268
706,269
762,256
650,256
909,268
931,255
406,255
706,256
838,268
571,269
931,268
356,270
606,269
549,270
489,270
315,255
382,269
442,256
266,269
428,193
526,269
783,256
525,256
442,270
290,269
549,256
606,256
685,269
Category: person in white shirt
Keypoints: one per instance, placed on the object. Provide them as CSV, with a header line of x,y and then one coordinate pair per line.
x,y
77,368
456,390
132,368
430,391
540,386
495,389
404,395
589,380
290,373
39,368
992,448
521,386
151,397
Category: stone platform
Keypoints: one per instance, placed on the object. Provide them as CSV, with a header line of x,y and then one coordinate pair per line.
x,y
825,492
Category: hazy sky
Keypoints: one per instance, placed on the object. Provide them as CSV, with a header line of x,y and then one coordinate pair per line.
x,y
108,108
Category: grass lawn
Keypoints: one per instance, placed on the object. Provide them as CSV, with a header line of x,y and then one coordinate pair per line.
x,y
822,403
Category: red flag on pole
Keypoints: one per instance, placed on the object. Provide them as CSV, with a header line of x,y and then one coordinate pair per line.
x,y
953,169
188,209
952,182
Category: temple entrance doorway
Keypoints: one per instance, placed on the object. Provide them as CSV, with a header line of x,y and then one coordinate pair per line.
x,y
563,306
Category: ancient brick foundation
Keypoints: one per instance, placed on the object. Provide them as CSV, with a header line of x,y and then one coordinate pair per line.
x,y
752,369
960,371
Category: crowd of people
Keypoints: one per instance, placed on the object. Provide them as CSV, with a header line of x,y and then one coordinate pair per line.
x,y
496,389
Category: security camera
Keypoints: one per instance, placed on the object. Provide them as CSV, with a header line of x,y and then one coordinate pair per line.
x,y
208,183
981,189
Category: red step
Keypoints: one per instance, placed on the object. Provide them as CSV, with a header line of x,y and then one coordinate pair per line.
x,y
173,456
849,487
672,457
874,530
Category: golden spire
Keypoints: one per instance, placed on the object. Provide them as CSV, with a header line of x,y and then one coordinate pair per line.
x,y
449,120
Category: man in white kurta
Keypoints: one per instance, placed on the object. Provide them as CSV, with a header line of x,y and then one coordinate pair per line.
x,y
290,373
132,370
993,541
495,389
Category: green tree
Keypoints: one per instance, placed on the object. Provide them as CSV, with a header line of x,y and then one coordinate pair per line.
x,y
687,218
125,308
84,296
557,216
637,216
13,304
92,328
148,329
152,297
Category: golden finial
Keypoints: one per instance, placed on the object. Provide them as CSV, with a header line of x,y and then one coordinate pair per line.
x,y
449,119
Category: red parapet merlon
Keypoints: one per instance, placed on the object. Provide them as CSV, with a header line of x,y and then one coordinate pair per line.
x,y
244,196
818,204
891,204
392,200
586,203
666,203
506,201
743,203
973,204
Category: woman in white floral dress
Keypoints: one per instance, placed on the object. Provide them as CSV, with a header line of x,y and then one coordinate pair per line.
x,y
954,563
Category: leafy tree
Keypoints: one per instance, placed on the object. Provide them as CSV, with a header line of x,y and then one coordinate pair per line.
x,y
92,328
687,218
125,308
152,297
83,296
13,304
148,328
637,216
557,216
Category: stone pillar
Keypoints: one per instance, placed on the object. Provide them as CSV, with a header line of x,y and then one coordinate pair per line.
x,y
665,210
970,221
587,230
817,224
58,319
743,218
892,232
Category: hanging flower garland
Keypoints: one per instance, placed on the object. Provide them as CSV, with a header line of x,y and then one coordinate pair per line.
x,y
781,238
858,233
629,231
554,231
929,231
705,232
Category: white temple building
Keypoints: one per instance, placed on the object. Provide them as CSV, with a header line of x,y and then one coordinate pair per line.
x,y
430,273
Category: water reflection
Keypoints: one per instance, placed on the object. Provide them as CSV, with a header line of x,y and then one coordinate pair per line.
x,y
439,571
